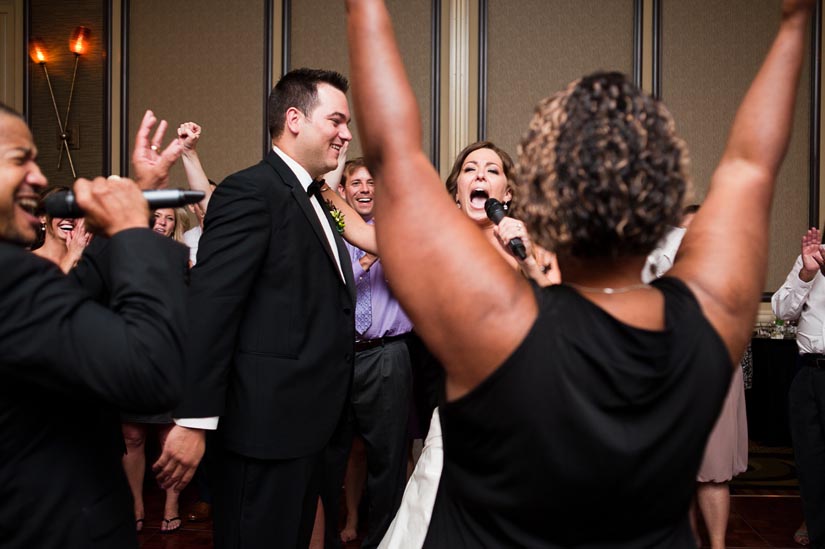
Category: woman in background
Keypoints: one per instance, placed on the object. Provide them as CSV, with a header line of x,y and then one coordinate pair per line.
x,y
62,240
168,222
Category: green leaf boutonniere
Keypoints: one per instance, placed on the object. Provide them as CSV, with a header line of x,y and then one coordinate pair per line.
x,y
338,217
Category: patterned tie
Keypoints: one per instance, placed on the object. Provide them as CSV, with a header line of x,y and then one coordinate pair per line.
x,y
363,299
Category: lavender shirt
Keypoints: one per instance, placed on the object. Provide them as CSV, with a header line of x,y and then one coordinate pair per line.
x,y
388,319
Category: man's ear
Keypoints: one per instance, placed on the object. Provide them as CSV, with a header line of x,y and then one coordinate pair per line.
x,y
293,120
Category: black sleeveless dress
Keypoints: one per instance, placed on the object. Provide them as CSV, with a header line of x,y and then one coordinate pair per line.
x,y
589,435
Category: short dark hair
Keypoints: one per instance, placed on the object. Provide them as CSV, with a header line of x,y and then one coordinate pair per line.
x,y
506,164
299,88
351,166
601,170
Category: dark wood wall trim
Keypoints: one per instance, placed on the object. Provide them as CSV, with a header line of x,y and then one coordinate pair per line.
x,y
286,26
435,84
107,79
657,50
483,20
816,105
267,83
124,88
27,23
638,33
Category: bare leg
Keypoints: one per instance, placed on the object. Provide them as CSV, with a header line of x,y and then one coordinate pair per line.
x,y
354,487
134,464
171,519
714,503
317,540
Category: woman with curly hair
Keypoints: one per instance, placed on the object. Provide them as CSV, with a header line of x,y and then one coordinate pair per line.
x,y
577,414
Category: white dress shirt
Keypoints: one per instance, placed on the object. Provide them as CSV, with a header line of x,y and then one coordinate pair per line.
x,y
305,179
804,301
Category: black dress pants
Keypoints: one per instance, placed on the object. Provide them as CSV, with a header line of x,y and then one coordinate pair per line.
x,y
265,503
806,402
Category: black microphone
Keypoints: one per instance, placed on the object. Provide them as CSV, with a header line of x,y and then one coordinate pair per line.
x,y
64,205
495,213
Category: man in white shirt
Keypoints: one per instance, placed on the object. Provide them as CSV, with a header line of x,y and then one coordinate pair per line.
x,y
802,298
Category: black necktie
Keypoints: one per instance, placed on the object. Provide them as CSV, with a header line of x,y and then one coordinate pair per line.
x,y
314,189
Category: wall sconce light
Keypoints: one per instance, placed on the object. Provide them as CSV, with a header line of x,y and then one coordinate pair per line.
x,y
79,45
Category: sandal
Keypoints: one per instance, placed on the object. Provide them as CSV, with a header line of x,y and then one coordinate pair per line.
x,y
801,536
164,527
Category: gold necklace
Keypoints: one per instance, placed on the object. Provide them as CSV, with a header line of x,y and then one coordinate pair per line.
x,y
610,291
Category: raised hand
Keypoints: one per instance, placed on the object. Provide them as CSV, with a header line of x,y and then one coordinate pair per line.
x,y
76,241
189,133
151,165
812,258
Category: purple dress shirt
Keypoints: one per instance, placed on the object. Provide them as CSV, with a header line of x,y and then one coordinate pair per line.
x,y
388,319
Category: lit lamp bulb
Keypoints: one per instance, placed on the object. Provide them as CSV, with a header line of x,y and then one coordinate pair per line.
x,y
37,51
78,43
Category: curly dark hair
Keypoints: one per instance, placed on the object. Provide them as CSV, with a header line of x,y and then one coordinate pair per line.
x,y
299,88
601,172
506,163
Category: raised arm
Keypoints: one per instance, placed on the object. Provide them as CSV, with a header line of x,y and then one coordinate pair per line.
x,y
189,133
731,229
788,301
356,231
470,307
151,163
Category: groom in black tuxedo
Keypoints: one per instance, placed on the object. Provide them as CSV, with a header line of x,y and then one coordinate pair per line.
x,y
270,342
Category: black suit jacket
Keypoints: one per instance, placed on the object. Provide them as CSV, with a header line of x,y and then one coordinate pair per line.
x,y
270,346
66,365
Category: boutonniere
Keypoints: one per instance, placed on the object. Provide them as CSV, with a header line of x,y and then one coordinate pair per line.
x,y
338,217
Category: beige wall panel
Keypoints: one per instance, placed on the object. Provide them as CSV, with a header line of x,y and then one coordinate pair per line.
x,y
318,39
201,60
711,52
535,47
54,23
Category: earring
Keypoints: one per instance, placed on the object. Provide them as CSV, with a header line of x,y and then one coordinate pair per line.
x,y
506,206
458,204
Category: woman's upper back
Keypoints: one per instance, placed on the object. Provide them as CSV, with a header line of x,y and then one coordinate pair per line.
x,y
592,430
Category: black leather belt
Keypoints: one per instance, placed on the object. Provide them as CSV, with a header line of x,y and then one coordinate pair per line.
x,y
814,360
365,344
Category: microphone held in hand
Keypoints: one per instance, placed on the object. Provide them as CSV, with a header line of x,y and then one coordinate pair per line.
x,y
495,213
64,205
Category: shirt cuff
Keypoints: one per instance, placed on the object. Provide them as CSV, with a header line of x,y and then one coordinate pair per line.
x,y
208,423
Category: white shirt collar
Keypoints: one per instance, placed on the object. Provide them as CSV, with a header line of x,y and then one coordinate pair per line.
x,y
303,176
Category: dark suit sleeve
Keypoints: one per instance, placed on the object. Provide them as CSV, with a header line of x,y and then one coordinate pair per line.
x,y
54,336
235,240
92,271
